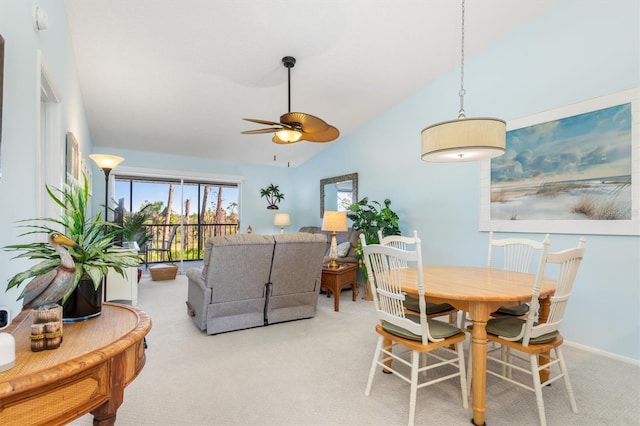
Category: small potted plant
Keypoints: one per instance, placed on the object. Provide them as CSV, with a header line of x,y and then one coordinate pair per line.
x,y
99,252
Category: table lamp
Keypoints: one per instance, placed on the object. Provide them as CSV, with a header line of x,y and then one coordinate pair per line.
x,y
281,220
334,222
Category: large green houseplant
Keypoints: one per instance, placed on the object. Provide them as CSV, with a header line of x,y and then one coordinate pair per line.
x,y
371,217
96,237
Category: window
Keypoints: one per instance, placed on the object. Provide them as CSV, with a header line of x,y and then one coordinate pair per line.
x,y
191,211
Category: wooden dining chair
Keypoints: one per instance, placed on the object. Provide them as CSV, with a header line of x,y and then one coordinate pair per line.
x,y
541,341
517,256
434,310
514,254
409,335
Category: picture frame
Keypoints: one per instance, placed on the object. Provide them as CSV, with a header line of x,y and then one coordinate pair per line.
x,y
1,94
73,159
569,170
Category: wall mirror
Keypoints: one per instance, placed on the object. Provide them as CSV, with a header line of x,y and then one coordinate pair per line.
x,y
339,192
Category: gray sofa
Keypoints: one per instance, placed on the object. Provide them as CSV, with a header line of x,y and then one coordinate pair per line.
x,y
251,280
351,236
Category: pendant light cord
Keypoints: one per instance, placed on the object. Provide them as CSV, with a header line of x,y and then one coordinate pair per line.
x,y
461,113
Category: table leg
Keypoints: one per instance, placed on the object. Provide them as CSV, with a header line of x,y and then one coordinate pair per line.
x,y
480,315
543,358
105,414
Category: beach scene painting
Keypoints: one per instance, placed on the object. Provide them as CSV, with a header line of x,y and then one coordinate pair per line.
x,y
576,168
574,172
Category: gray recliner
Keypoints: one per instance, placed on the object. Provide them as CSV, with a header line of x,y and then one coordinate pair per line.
x,y
251,280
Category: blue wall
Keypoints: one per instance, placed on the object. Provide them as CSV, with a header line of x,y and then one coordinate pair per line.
x,y
576,51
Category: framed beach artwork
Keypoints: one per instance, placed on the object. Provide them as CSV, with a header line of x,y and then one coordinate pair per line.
x,y
571,170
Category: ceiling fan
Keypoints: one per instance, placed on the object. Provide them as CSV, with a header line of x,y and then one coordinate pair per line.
x,y
295,126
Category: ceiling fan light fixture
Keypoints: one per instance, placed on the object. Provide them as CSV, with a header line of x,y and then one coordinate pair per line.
x,y
464,139
289,135
295,126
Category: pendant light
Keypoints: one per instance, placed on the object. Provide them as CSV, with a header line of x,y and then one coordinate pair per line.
x,y
464,139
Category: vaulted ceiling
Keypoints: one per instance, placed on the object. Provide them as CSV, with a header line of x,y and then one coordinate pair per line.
x,y
177,77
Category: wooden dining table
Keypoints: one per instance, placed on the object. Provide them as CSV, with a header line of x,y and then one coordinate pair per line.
x,y
478,291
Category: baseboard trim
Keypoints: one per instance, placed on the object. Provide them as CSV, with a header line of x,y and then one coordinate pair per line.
x,y
603,353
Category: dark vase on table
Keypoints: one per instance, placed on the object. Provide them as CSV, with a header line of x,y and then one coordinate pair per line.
x,y
84,303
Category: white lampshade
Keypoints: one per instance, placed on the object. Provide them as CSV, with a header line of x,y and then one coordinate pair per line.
x,y
334,221
464,139
106,161
281,219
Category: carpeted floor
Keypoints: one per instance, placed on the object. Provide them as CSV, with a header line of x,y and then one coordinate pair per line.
x,y
314,372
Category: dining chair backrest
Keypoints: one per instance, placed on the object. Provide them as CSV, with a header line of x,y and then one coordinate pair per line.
x,y
567,262
517,253
386,269
398,241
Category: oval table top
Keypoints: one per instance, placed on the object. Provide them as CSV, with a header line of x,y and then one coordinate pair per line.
x,y
477,284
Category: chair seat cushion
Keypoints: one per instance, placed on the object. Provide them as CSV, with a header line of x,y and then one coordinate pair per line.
x,y
515,311
412,304
437,329
510,327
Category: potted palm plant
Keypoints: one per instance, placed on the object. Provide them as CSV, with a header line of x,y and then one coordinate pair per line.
x,y
97,252
134,228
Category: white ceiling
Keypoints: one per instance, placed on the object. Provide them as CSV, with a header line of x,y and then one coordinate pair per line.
x,y
177,77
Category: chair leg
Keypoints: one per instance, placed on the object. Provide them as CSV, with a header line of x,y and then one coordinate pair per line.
x,y
538,388
504,353
374,364
463,376
567,382
415,360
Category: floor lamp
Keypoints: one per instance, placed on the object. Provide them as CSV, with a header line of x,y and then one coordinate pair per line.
x,y
107,163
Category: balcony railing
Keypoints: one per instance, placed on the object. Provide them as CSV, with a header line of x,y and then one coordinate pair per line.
x,y
188,243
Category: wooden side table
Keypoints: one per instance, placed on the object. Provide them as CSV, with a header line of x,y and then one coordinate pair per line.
x,y
334,280
87,373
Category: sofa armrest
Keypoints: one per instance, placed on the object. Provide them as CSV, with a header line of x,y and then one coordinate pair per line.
x,y
195,275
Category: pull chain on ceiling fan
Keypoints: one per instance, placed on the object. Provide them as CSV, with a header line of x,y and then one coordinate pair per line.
x,y
295,126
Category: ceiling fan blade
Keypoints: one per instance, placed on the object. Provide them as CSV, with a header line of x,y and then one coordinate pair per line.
x,y
258,131
328,135
265,122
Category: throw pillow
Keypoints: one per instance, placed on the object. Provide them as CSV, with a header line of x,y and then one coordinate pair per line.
x,y
343,249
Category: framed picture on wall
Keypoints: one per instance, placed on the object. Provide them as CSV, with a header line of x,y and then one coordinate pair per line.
x,y
1,84
571,170
73,159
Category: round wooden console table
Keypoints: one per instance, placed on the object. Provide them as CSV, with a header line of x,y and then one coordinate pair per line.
x,y
87,373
